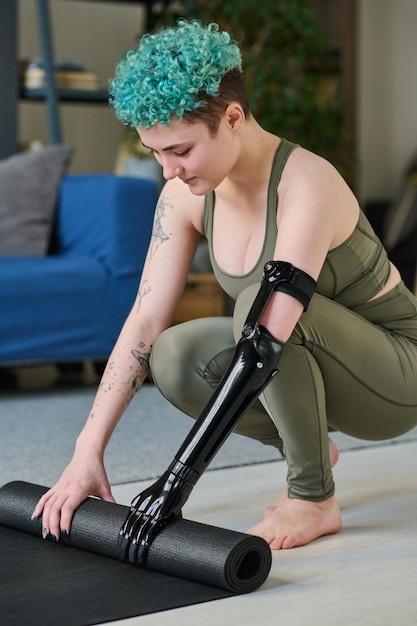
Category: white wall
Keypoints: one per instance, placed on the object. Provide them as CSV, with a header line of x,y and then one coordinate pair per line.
x,y
97,34
387,94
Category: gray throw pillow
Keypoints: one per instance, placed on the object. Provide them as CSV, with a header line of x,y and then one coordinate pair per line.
x,y
29,188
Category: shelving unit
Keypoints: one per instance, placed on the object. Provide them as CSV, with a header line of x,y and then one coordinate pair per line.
x,y
67,95
51,95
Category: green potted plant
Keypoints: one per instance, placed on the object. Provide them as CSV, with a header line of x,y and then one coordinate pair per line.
x,y
290,70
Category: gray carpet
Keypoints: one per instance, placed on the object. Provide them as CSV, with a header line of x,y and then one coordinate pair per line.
x,y
38,430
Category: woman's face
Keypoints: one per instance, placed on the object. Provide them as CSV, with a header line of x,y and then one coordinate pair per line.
x,y
188,151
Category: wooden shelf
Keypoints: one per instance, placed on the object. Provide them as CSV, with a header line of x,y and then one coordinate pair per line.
x,y
93,96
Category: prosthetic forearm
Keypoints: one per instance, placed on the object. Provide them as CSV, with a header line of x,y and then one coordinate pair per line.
x,y
253,365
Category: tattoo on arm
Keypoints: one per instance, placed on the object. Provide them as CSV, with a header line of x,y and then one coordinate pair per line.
x,y
143,291
111,382
159,235
143,359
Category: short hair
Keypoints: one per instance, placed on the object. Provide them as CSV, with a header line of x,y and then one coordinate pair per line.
x,y
189,71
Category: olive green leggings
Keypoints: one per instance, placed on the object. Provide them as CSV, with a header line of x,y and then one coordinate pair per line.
x,y
355,372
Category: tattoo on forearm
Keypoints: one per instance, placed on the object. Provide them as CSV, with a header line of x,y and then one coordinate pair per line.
x,y
145,289
143,359
159,235
112,381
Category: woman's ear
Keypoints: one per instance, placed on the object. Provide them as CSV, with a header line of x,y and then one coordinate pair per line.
x,y
235,116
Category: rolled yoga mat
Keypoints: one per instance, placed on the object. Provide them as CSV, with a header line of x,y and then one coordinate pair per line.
x,y
229,560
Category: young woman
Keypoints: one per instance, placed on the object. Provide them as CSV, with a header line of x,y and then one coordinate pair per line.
x,y
349,354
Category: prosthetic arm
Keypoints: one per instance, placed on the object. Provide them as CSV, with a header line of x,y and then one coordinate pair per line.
x,y
253,365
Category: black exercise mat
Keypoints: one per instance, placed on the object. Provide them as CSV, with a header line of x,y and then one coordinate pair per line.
x,y
46,583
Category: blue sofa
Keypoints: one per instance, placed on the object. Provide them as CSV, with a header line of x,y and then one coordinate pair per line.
x,y
70,305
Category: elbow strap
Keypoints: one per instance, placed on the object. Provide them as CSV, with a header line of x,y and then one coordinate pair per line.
x,y
291,280
280,276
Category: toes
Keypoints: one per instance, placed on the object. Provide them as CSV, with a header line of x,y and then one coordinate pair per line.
x,y
288,543
276,544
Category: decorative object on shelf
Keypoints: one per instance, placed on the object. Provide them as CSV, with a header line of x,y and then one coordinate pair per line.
x,y
35,78
67,74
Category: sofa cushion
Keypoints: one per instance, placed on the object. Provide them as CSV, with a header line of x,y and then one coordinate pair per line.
x,y
108,217
53,309
29,186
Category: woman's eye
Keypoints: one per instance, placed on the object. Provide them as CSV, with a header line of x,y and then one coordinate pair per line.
x,y
184,153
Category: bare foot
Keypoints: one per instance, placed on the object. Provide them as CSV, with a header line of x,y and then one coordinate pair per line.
x,y
291,522
298,522
334,457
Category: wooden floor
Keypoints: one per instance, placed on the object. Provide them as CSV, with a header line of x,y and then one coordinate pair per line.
x,y
365,576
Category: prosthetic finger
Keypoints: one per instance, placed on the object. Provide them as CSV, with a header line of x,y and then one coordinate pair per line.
x,y
253,365
151,510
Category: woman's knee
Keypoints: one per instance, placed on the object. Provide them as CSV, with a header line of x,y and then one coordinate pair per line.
x,y
188,359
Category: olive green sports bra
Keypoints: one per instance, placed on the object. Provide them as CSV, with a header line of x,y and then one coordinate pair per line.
x,y
352,273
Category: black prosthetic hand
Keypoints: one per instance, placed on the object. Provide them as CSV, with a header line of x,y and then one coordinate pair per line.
x,y
151,510
253,365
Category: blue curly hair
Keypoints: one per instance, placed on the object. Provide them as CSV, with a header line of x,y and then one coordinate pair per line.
x,y
172,72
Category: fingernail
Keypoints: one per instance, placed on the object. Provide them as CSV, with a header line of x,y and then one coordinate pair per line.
x,y
64,533
44,533
34,517
54,538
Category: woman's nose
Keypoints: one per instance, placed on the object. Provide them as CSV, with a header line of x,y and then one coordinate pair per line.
x,y
171,170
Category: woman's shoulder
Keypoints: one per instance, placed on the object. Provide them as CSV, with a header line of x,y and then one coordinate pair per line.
x,y
308,171
314,191
304,162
